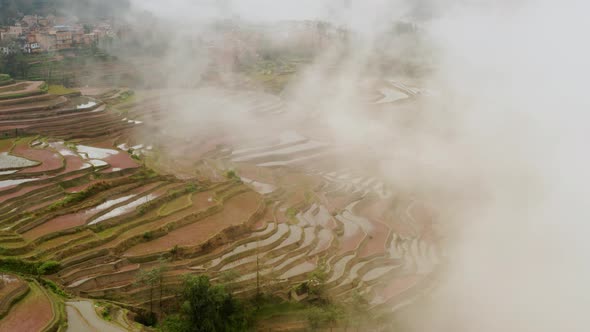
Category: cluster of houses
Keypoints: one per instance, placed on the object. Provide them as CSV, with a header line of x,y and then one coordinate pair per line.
x,y
36,34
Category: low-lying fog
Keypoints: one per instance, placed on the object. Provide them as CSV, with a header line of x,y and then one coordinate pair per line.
x,y
498,149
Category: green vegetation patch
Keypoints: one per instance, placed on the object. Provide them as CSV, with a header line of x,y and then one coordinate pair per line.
x,y
175,205
78,197
26,267
60,90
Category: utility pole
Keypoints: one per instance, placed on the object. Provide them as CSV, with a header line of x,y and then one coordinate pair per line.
x,y
257,278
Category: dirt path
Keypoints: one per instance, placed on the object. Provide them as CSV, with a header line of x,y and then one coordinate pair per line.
x,y
82,318
26,87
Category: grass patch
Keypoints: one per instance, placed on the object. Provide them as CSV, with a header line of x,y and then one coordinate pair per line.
x,y
175,205
6,144
291,309
292,212
78,197
60,90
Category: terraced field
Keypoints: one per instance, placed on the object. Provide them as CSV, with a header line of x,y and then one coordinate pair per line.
x,y
37,301
75,188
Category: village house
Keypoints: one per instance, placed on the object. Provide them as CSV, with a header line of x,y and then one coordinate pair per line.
x,y
47,42
35,34
5,50
17,29
30,20
63,36
31,48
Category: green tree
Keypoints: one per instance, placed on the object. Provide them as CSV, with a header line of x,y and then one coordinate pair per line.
x,y
228,277
207,308
317,281
151,278
319,316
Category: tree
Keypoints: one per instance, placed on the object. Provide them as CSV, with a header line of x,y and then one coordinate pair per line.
x,y
357,310
317,281
151,278
159,272
87,28
207,308
326,315
228,277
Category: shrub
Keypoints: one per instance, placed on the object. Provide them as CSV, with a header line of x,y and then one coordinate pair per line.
x,y
292,212
232,175
54,287
146,318
175,251
191,188
78,197
106,311
48,267
19,266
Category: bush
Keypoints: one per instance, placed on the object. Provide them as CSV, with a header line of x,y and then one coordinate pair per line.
x,y
78,197
48,267
105,312
53,287
146,318
191,188
28,267
18,266
232,175
292,212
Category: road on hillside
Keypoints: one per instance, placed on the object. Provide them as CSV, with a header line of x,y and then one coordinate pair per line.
x,y
82,317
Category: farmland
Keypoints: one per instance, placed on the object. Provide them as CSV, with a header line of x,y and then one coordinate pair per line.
x,y
109,186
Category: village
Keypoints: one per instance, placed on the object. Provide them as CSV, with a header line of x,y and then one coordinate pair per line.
x,y
36,34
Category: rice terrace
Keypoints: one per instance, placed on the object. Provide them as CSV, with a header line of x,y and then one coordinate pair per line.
x,y
90,205
315,166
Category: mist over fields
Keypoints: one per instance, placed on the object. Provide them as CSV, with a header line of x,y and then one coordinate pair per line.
x,y
490,136
499,153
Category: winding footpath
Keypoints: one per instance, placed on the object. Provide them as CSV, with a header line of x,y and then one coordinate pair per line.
x,y
83,317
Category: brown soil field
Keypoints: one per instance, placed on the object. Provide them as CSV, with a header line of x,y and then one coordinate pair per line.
x,y
398,285
201,201
10,284
30,314
21,192
49,160
235,211
120,161
377,241
351,243
375,210
74,163
6,144
73,219
22,88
